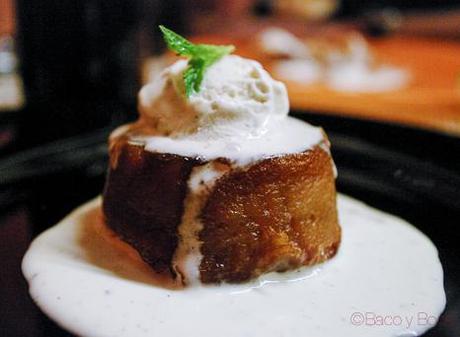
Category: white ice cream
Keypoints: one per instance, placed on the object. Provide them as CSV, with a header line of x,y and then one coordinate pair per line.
x,y
237,97
239,113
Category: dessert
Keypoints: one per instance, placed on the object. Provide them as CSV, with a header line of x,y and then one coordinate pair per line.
x,y
94,284
214,182
343,63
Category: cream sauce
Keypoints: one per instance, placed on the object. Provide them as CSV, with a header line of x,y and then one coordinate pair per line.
x,y
241,150
188,257
385,268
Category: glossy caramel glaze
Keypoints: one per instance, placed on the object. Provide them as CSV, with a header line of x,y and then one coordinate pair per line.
x,y
278,214
275,214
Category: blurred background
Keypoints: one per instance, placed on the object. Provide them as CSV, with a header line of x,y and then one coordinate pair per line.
x,y
69,67
382,77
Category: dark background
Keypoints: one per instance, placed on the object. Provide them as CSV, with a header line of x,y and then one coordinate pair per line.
x,y
79,61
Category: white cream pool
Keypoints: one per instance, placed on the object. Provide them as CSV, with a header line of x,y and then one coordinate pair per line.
x,y
386,280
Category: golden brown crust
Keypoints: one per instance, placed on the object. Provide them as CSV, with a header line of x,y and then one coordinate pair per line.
x,y
278,214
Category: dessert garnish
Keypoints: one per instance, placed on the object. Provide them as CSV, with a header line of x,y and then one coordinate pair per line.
x,y
201,56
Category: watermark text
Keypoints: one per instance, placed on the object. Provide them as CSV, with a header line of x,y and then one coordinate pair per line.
x,y
370,318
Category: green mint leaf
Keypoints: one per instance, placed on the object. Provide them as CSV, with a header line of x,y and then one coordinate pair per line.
x,y
176,42
193,76
211,53
201,56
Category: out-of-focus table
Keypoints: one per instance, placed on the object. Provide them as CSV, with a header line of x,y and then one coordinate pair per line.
x,y
431,100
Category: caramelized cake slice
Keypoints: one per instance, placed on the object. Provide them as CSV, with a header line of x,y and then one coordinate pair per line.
x,y
219,222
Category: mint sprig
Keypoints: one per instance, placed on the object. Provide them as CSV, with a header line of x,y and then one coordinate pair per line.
x,y
201,56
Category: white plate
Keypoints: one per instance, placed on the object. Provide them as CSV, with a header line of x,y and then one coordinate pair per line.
x,y
386,280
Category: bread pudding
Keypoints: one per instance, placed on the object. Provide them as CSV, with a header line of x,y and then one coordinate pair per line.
x,y
220,185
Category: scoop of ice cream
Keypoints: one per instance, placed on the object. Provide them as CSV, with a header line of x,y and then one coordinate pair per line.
x,y
237,98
